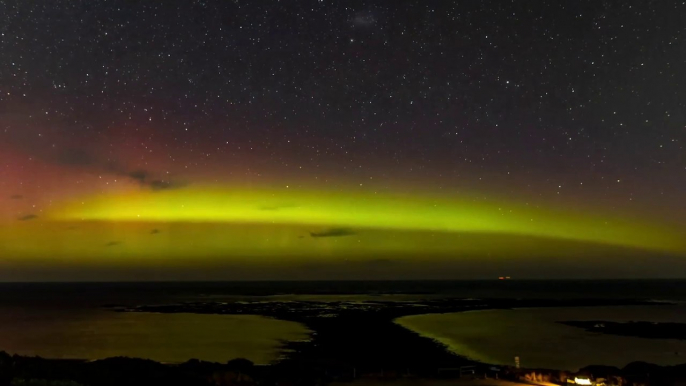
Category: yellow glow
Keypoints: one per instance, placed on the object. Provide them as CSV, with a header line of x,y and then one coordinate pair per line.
x,y
318,210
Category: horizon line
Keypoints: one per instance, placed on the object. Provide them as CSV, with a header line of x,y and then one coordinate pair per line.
x,y
495,279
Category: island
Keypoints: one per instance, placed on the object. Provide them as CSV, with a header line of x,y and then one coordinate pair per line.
x,y
639,329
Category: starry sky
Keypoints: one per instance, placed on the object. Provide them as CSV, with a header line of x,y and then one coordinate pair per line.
x,y
389,139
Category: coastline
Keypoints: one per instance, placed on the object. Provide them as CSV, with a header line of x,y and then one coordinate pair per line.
x,y
366,335
96,333
536,336
349,340
446,342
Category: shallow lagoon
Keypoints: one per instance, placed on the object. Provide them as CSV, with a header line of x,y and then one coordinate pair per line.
x,y
98,333
497,336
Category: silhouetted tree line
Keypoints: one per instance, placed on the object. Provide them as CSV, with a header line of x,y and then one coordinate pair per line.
x,y
34,371
17,370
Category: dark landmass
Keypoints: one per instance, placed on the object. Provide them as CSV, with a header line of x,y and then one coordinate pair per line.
x,y
23,371
362,334
334,232
18,370
350,340
650,330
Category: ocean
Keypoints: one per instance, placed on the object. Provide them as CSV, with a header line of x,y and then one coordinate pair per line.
x,y
69,320
96,294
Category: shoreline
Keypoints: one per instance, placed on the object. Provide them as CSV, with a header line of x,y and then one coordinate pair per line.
x,y
366,334
348,341
497,338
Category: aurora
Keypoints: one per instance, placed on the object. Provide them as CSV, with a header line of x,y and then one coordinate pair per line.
x,y
226,232
373,211
369,139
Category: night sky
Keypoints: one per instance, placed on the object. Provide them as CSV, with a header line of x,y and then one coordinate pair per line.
x,y
389,139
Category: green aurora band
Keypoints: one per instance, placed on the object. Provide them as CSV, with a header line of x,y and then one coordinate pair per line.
x,y
317,209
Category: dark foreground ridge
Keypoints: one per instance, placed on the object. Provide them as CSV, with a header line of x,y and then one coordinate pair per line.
x,y
650,330
33,371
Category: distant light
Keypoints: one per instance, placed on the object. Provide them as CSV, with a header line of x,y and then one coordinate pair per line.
x,y
582,381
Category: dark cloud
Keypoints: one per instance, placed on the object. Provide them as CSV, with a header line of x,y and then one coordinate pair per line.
x,y
16,197
112,243
157,185
139,175
78,157
28,217
144,178
333,232
81,158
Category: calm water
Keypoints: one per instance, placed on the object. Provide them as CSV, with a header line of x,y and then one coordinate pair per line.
x,y
95,334
68,321
80,294
497,336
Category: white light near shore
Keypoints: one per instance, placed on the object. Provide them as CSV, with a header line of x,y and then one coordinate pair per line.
x,y
582,381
